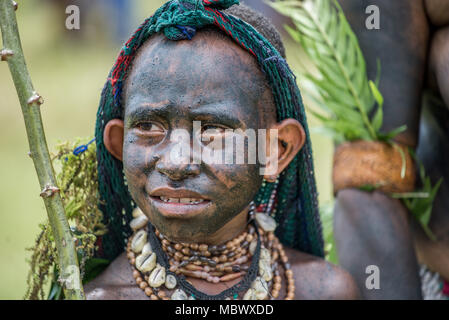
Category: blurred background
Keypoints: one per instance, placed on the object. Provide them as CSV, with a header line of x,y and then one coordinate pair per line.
x,y
68,69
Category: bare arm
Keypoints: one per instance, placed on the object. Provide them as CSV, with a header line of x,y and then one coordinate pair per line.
x,y
373,229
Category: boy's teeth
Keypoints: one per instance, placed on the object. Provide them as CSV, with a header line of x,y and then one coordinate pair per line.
x,y
182,200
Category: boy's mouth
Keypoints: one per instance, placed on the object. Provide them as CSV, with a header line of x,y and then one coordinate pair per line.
x,y
181,200
178,203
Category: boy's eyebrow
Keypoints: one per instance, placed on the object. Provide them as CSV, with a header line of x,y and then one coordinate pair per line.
x,y
210,112
218,112
148,109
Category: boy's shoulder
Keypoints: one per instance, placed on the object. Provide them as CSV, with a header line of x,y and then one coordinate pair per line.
x,y
115,283
317,279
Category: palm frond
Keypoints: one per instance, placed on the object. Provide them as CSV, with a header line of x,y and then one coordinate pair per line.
x,y
345,94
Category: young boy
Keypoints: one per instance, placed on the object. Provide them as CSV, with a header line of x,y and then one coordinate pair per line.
x,y
208,229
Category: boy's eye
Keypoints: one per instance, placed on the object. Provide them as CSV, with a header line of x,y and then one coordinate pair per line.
x,y
150,127
212,129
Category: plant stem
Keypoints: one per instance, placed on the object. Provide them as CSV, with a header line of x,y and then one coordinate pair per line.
x,y
30,103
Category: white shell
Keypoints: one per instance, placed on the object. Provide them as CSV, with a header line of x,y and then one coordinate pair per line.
x,y
265,222
138,223
137,212
170,281
265,270
147,248
252,247
179,295
157,277
139,240
265,255
146,262
260,287
249,295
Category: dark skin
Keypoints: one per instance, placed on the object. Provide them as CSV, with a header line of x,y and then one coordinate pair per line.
x,y
230,93
372,228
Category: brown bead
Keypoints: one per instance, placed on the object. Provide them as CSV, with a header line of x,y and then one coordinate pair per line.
x,y
185,251
139,280
223,258
173,268
130,255
197,262
178,256
194,246
270,236
277,279
178,246
193,267
136,274
132,261
148,291
165,242
203,247
277,286
228,269
289,273
216,274
216,259
230,277
154,297
220,267
275,294
207,254
229,245
235,268
161,294
212,263
143,285
166,298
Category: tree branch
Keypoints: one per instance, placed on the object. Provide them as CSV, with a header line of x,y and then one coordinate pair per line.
x,y
30,102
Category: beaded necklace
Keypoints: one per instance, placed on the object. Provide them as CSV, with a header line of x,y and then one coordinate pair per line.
x,y
160,267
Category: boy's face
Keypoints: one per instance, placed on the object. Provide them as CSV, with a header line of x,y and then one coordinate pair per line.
x,y
171,85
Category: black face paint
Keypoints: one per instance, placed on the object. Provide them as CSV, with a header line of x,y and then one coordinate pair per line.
x,y
171,85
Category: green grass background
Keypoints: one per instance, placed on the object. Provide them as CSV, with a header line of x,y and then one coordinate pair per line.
x,y
69,74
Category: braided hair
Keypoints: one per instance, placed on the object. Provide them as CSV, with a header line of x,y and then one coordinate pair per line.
x,y
296,205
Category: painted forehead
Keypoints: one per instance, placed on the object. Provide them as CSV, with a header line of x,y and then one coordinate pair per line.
x,y
211,66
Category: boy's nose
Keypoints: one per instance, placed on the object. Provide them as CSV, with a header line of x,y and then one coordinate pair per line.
x,y
177,171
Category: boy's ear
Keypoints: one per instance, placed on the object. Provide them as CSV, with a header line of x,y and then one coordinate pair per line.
x,y
290,139
113,138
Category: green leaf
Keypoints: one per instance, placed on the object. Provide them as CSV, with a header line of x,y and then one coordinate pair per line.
x,y
376,93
